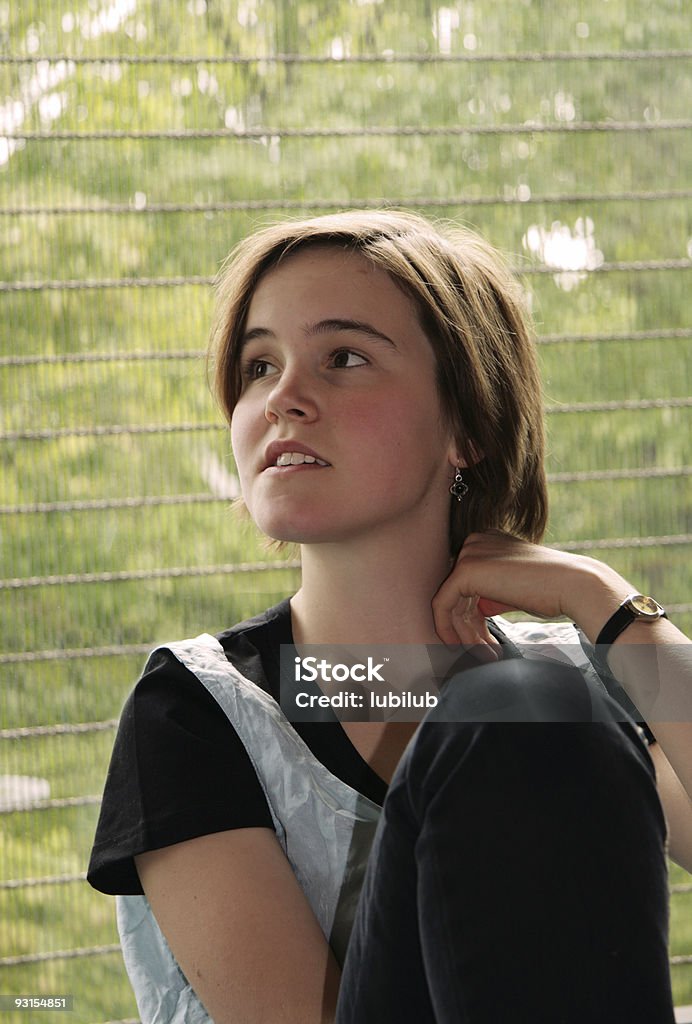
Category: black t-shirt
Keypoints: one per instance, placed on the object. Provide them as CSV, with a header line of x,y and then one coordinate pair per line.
x,y
179,769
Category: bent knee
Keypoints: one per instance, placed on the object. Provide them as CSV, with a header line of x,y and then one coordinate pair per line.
x,y
520,690
500,715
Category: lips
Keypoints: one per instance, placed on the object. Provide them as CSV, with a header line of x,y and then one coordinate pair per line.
x,y
291,453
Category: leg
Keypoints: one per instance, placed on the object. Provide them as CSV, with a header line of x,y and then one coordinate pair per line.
x,y
518,873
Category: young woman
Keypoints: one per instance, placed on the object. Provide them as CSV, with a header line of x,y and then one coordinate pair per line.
x,y
381,386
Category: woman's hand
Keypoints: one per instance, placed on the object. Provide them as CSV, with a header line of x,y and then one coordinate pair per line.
x,y
496,572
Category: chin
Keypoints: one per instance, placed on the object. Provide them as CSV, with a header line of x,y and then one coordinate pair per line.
x,y
295,531
308,531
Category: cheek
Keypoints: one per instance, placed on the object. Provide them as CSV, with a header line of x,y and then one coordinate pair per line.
x,y
401,423
241,435
371,432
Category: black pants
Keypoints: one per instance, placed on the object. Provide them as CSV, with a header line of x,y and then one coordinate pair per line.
x,y
518,873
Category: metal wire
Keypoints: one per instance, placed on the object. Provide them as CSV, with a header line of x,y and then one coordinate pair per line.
x,y
654,472
59,803
118,430
72,954
28,883
231,206
379,131
630,404
102,357
608,543
172,572
87,284
660,334
58,954
61,729
153,501
192,572
113,431
106,504
386,57
125,650
75,653
65,358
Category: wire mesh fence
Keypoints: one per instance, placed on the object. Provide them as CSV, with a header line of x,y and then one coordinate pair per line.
x,y
138,142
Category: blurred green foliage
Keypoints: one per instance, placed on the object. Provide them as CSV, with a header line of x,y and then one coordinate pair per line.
x,y
504,176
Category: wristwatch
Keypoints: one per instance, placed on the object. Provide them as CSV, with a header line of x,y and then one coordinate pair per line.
x,y
634,607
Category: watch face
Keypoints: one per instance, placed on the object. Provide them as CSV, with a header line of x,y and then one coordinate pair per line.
x,y
645,606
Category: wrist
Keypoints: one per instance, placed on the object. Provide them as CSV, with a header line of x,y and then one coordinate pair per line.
x,y
595,592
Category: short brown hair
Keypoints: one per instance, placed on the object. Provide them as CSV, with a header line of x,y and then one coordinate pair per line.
x,y
472,311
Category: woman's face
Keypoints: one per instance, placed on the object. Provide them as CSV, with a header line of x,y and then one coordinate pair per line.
x,y
338,430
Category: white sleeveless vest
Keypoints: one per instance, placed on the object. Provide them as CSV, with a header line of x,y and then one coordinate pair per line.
x,y
325,827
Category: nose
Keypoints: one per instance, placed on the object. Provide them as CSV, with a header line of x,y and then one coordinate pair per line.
x,y
291,398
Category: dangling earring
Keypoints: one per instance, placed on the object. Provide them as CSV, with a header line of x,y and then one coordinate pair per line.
x,y
459,489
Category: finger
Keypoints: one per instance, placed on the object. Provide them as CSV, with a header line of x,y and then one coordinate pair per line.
x,y
447,618
490,608
472,629
449,606
487,646
463,621
442,620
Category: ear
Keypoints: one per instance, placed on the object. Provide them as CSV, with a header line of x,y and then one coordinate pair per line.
x,y
455,459
473,455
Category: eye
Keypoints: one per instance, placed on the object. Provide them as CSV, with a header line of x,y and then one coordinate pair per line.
x,y
344,359
257,369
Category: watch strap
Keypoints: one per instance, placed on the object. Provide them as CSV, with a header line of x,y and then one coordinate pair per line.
x,y
623,617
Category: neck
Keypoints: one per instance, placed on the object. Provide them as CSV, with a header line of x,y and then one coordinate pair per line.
x,y
376,589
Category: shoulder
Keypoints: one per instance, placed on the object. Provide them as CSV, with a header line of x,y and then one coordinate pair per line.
x,y
165,692
178,770
251,646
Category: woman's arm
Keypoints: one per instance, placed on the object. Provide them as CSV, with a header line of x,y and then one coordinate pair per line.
x,y
496,572
241,929
676,805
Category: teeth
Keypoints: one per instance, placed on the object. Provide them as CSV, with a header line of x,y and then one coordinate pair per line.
x,y
297,459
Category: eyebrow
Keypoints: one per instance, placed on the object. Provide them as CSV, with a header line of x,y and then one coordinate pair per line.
x,y
332,325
